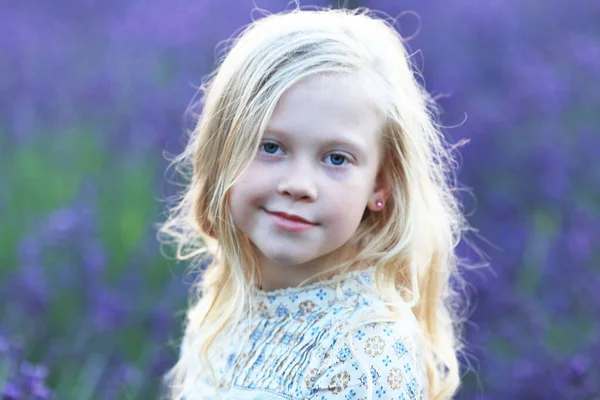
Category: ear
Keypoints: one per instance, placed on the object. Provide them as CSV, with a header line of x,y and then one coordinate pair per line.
x,y
380,194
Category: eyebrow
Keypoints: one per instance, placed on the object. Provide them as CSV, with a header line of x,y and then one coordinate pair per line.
x,y
355,146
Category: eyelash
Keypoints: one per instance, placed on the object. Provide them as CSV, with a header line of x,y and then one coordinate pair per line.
x,y
347,159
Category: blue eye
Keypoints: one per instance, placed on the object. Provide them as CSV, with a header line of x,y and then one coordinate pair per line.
x,y
337,159
269,147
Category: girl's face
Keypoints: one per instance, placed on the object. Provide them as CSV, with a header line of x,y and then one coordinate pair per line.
x,y
318,161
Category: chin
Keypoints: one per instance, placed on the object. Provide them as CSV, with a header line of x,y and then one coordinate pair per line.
x,y
287,259
283,257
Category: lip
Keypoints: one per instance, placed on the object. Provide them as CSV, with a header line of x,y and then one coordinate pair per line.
x,y
291,217
289,222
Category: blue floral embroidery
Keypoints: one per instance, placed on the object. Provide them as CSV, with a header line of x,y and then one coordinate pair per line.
x,y
359,335
282,311
387,330
363,380
293,298
399,348
380,392
256,334
259,360
286,338
344,353
407,368
321,294
412,388
386,361
374,374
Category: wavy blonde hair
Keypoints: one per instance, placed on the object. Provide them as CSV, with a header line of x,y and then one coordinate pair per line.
x,y
411,242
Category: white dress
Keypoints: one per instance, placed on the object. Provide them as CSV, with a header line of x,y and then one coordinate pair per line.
x,y
297,346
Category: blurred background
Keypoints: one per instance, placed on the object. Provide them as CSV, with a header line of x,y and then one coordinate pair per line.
x,y
93,94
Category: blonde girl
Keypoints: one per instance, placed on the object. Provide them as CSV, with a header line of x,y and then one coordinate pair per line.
x,y
321,193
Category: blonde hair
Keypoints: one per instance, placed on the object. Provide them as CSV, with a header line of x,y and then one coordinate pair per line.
x,y
411,242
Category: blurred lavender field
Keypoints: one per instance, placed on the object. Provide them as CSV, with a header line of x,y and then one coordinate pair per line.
x,y
93,93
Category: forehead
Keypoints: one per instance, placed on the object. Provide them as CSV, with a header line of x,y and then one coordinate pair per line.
x,y
325,107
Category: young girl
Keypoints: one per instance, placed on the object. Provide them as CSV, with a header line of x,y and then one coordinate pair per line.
x,y
321,191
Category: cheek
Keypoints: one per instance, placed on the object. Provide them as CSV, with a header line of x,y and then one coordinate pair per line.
x,y
347,210
348,201
250,190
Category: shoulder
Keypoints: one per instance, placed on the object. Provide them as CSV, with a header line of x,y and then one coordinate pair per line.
x,y
387,351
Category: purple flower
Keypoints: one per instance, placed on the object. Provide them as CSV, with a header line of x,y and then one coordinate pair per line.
x,y
23,379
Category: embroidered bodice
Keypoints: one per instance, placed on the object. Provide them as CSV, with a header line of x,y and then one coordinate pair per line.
x,y
297,345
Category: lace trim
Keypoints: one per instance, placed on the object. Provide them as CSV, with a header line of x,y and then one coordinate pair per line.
x,y
328,282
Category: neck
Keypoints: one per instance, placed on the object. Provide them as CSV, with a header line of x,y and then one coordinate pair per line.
x,y
273,275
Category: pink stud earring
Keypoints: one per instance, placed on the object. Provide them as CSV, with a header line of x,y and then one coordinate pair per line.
x,y
379,203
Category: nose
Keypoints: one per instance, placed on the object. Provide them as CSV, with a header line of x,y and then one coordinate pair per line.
x,y
298,183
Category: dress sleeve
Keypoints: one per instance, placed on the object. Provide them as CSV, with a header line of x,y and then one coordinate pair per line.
x,y
391,356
